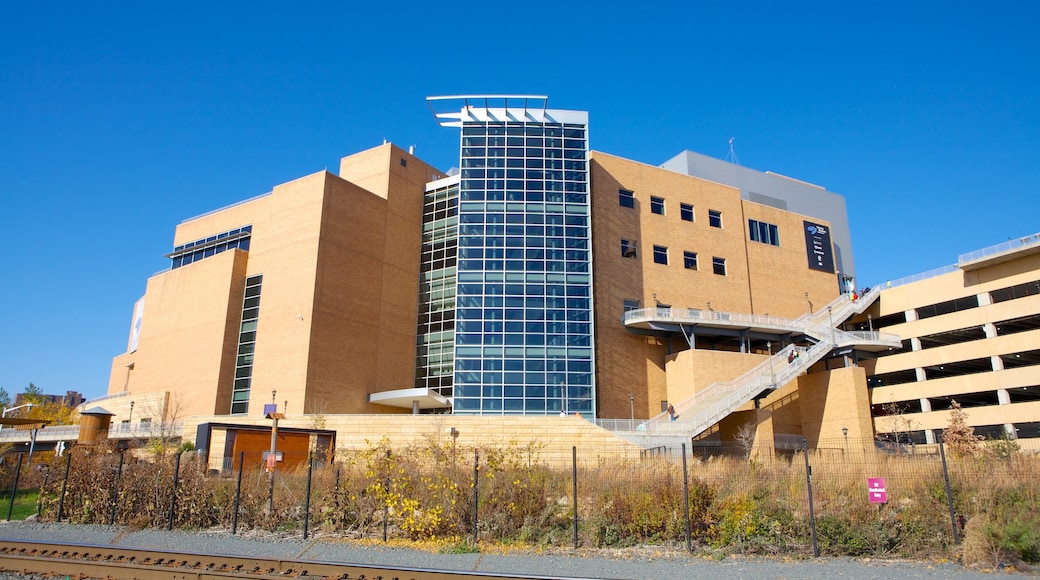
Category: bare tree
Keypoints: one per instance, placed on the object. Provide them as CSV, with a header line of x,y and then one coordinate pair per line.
x,y
745,437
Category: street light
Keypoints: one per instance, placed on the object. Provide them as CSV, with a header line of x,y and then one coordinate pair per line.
x,y
130,418
6,411
632,405
772,377
845,432
830,319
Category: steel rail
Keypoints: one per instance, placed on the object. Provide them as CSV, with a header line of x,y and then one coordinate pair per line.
x,y
119,563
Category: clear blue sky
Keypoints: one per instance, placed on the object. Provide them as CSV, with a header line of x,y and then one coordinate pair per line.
x,y
117,121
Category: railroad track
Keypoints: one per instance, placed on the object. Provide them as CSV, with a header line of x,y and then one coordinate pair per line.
x,y
88,561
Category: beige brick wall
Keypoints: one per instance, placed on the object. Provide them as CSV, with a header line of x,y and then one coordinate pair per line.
x,y
182,345
776,284
550,437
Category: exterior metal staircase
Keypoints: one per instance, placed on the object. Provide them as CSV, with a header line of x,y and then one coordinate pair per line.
x,y
713,403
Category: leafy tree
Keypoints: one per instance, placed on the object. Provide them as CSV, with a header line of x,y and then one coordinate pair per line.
x,y
34,395
5,398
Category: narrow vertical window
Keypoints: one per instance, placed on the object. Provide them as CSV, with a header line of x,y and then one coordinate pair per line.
x,y
246,344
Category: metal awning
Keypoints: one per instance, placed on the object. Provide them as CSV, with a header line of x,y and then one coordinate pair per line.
x,y
407,398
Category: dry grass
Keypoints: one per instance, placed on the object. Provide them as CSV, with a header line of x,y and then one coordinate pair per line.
x,y
424,494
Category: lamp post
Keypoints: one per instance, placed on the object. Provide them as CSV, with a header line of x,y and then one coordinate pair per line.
x,y
845,432
772,376
632,406
130,418
272,458
870,323
830,320
25,406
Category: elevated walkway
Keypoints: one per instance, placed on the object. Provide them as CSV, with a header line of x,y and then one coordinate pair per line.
x,y
713,403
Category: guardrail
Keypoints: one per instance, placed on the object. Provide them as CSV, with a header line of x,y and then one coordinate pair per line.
x,y
1023,242
710,405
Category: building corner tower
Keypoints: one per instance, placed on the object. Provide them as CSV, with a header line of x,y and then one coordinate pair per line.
x,y
506,322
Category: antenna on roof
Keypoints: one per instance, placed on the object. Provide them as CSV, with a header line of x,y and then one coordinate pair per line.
x,y
732,155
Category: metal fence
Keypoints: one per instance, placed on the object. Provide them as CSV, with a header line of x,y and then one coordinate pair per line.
x,y
845,496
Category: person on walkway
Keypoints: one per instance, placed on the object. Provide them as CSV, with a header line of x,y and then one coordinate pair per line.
x,y
671,412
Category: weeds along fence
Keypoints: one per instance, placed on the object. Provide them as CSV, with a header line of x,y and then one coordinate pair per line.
x,y
725,498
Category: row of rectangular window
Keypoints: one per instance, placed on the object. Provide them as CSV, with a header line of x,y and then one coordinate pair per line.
x,y
529,339
520,141
211,239
527,174
526,352
202,253
475,229
628,250
525,406
550,197
535,384
568,130
524,162
626,198
763,232
520,152
529,186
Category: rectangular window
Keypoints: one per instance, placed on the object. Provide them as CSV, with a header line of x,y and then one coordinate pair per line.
x,y
660,255
715,218
763,232
657,205
631,304
718,265
690,260
626,198
628,249
686,211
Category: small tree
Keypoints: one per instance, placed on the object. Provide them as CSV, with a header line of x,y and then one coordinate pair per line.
x,y
959,436
745,437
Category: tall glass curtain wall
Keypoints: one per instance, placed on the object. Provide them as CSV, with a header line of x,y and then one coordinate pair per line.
x,y
524,337
435,346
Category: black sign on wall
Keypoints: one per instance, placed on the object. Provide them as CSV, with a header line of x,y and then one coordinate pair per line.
x,y
818,247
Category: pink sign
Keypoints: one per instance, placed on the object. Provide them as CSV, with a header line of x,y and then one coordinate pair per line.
x,y
876,490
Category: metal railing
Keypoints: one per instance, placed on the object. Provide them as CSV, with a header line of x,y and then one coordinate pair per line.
x,y
710,405
1003,247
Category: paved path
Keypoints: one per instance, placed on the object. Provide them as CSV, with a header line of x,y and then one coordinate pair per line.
x,y
608,564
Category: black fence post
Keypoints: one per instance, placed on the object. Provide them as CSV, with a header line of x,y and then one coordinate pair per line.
x,y
43,487
386,504
949,491
574,478
686,498
238,493
173,496
64,485
307,502
476,480
115,489
14,487
812,510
